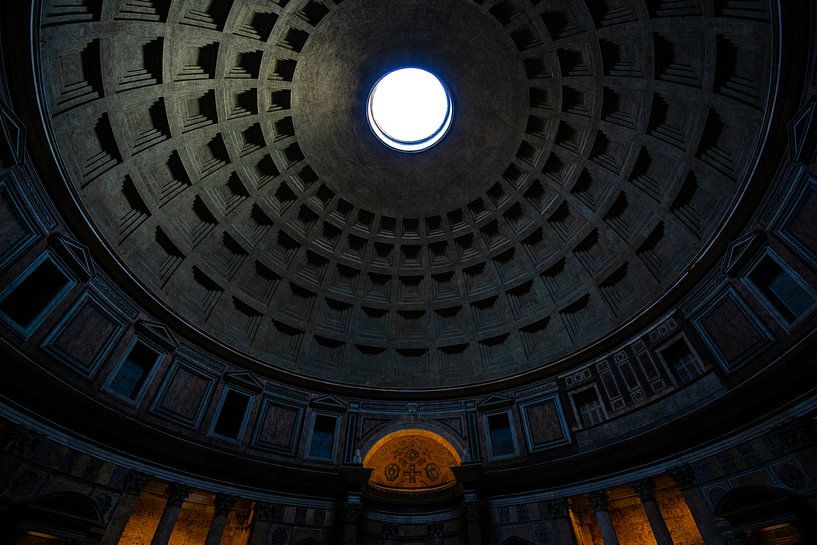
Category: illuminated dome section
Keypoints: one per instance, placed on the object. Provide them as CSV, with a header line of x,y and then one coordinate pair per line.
x,y
411,460
409,109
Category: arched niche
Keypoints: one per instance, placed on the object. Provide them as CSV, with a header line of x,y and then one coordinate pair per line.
x,y
64,515
768,516
412,459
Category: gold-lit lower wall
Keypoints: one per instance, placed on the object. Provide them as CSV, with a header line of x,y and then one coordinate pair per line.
x,y
239,524
679,519
585,527
630,520
196,515
144,519
192,525
631,523
35,538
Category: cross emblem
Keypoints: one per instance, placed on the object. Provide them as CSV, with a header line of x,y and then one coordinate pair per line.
x,y
412,474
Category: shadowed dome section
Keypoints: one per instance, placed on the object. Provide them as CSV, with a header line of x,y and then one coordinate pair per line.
x,y
412,460
225,158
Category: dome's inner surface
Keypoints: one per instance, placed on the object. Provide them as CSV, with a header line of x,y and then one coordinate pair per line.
x,y
226,156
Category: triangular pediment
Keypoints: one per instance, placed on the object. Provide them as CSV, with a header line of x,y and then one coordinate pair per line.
x,y
12,150
77,255
328,402
158,333
494,401
514,540
740,251
800,130
244,379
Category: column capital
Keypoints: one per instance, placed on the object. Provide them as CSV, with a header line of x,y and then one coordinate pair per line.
x,y
134,482
683,475
176,494
645,489
598,499
559,508
353,513
795,434
264,512
22,441
472,511
223,504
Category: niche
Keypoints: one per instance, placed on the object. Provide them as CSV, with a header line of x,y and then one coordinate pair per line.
x,y
26,302
322,440
232,415
500,435
131,377
589,407
781,290
682,360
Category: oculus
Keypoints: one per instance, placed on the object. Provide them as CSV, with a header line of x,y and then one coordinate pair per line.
x,y
409,110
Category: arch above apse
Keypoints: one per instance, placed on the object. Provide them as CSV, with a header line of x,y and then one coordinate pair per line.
x,y
747,505
411,459
69,505
747,497
380,434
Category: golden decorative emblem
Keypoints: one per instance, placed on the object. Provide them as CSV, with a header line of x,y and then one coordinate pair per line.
x,y
411,460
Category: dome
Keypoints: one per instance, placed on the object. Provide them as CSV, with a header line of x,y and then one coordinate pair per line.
x,y
224,269
247,195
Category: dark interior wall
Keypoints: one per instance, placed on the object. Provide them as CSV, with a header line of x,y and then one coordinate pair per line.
x,y
89,351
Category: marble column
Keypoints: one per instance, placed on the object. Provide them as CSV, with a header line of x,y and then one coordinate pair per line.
x,y
133,485
353,512
598,500
216,531
562,528
684,477
176,494
646,492
261,523
472,526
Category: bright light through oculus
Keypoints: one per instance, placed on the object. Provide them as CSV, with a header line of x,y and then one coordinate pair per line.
x,y
409,109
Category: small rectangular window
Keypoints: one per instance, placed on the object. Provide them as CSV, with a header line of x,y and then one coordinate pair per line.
x,y
323,437
33,295
499,428
132,375
230,419
682,360
781,290
589,407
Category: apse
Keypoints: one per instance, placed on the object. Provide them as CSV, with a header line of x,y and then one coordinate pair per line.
x,y
404,272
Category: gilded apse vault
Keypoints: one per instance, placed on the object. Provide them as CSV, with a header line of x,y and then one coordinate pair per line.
x,y
408,272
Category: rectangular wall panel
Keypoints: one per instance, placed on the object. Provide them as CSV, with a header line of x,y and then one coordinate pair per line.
x,y
731,330
86,334
799,226
17,232
185,393
544,422
278,426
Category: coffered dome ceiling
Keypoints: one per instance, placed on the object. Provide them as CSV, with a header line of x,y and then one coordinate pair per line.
x,y
221,148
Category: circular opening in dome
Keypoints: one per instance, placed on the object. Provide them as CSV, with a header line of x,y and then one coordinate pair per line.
x,y
410,109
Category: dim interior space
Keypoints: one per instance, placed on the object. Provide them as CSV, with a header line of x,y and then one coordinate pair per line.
x,y
408,272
